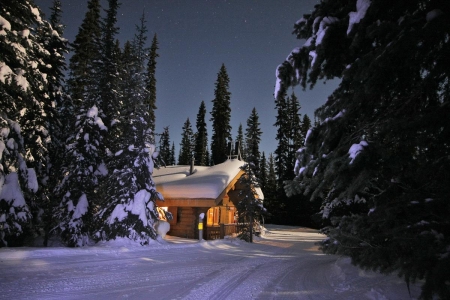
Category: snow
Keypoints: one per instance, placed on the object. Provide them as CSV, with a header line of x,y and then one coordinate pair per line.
x,y
10,191
5,26
277,82
5,71
284,263
431,15
356,17
32,182
206,182
355,149
81,208
93,113
323,26
162,227
102,170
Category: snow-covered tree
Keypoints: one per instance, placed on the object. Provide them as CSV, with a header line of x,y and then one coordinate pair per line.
x,y
59,112
220,117
24,118
80,186
250,206
130,209
378,162
85,155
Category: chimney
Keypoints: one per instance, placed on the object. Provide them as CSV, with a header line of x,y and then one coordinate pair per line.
x,y
191,170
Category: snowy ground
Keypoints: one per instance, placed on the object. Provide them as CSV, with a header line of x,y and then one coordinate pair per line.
x,y
284,264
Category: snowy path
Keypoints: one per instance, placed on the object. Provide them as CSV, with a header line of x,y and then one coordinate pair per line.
x,y
285,264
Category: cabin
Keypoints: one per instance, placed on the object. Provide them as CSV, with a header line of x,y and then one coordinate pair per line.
x,y
190,191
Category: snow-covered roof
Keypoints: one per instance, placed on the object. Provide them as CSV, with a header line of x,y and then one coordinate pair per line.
x,y
174,182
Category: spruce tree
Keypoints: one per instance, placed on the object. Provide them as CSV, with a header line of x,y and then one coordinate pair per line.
x,y
253,137
109,80
250,206
59,111
164,148
25,137
306,125
241,146
271,191
220,117
263,172
172,155
84,62
378,159
187,144
150,98
201,138
85,156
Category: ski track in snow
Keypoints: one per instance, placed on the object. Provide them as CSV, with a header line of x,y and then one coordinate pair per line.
x,y
284,264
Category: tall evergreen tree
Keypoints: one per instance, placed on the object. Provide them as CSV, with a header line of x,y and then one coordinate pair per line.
x,y
306,125
221,115
24,119
271,191
59,111
84,63
130,210
85,157
150,98
378,161
201,137
295,131
172,155
241,146
253,137
263,172
109,85
164,148
187,144
250,206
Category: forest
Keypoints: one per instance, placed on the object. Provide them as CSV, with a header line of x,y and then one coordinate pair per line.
x,y
78,146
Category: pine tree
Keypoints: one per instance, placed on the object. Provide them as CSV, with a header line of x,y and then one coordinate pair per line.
x,y
378,159
221,115
306,125
110,57
201,138
263,172
25,115
84,63
271,190
187,144
59,111
250,207
295,135
241,146
130,210
253,137
150,98
172,155
164,148
85,157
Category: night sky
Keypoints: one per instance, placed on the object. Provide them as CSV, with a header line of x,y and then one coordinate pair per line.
x,y
195,37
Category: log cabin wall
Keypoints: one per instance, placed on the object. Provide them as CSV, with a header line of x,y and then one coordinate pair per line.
x,y
185,221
